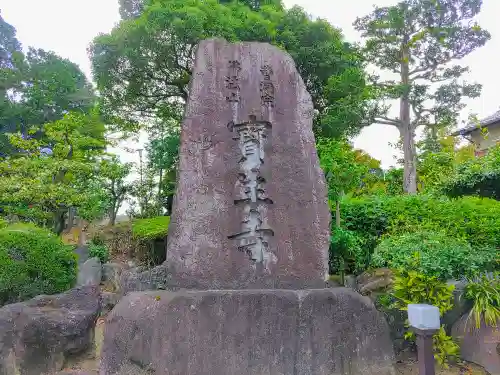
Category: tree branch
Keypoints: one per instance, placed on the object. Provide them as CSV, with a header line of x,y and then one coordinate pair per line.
x,y
387,120
424,70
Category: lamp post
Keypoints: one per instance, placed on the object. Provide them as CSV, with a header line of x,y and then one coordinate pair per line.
x,y
424,322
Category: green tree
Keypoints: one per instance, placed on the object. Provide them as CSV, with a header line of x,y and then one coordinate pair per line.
x,y
130,8
10,57
36,87
343,172
143,67
49,176
52,86
9,45
418,41
113,175
163,156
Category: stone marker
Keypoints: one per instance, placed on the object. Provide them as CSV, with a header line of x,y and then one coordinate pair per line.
x,y
249,236
251,204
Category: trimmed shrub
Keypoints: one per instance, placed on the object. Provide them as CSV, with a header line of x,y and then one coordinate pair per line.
x,y
99,251
151,229
347,254
33,261
432,254
472,219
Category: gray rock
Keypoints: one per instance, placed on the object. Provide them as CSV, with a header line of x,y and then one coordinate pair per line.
x,y
248,152
37,335
252,332
480,346
350,282
157,278
82,253
461,305
90,272
111,275
109,301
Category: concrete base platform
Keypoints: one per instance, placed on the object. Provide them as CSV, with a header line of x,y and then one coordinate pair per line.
x,y
246,332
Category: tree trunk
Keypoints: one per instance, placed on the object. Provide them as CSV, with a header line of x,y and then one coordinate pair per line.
x,y
159,192
337,214
112,214
406,129
58,224
410,160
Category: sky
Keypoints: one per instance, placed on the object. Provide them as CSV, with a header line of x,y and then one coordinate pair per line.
x,y
68,26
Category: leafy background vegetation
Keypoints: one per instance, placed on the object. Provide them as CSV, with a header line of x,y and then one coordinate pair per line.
x,y
433,217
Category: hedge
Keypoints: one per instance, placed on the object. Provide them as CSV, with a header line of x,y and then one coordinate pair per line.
x,y
472,219
33,261
433,254
150,229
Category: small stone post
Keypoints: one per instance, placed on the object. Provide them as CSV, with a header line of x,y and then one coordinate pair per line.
x,y
424,322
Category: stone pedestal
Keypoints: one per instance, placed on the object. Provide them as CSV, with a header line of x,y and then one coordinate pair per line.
x,y
246,332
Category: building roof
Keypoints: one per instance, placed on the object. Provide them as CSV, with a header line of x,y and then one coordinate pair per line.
x,y
494,118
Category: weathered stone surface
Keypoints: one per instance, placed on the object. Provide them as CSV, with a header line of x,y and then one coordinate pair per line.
x,y
37,335
250,209
157,278
90,272
374,281
109,301
251,332
461,305
478,346
111,275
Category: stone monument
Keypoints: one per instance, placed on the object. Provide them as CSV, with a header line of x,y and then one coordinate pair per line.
x,y
247,255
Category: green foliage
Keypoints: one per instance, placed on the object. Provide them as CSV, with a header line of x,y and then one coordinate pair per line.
x,y
143,66
432,254
52,82
478,176
475,220
347,252
113,174
41,186
412,287
484,292
339,162
150,229
445,349
98,250
33,261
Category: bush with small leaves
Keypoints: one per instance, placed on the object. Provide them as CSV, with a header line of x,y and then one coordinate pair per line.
x,y
33,261
438,255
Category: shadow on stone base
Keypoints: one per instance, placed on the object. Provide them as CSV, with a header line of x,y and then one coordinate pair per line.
x,y
247,332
